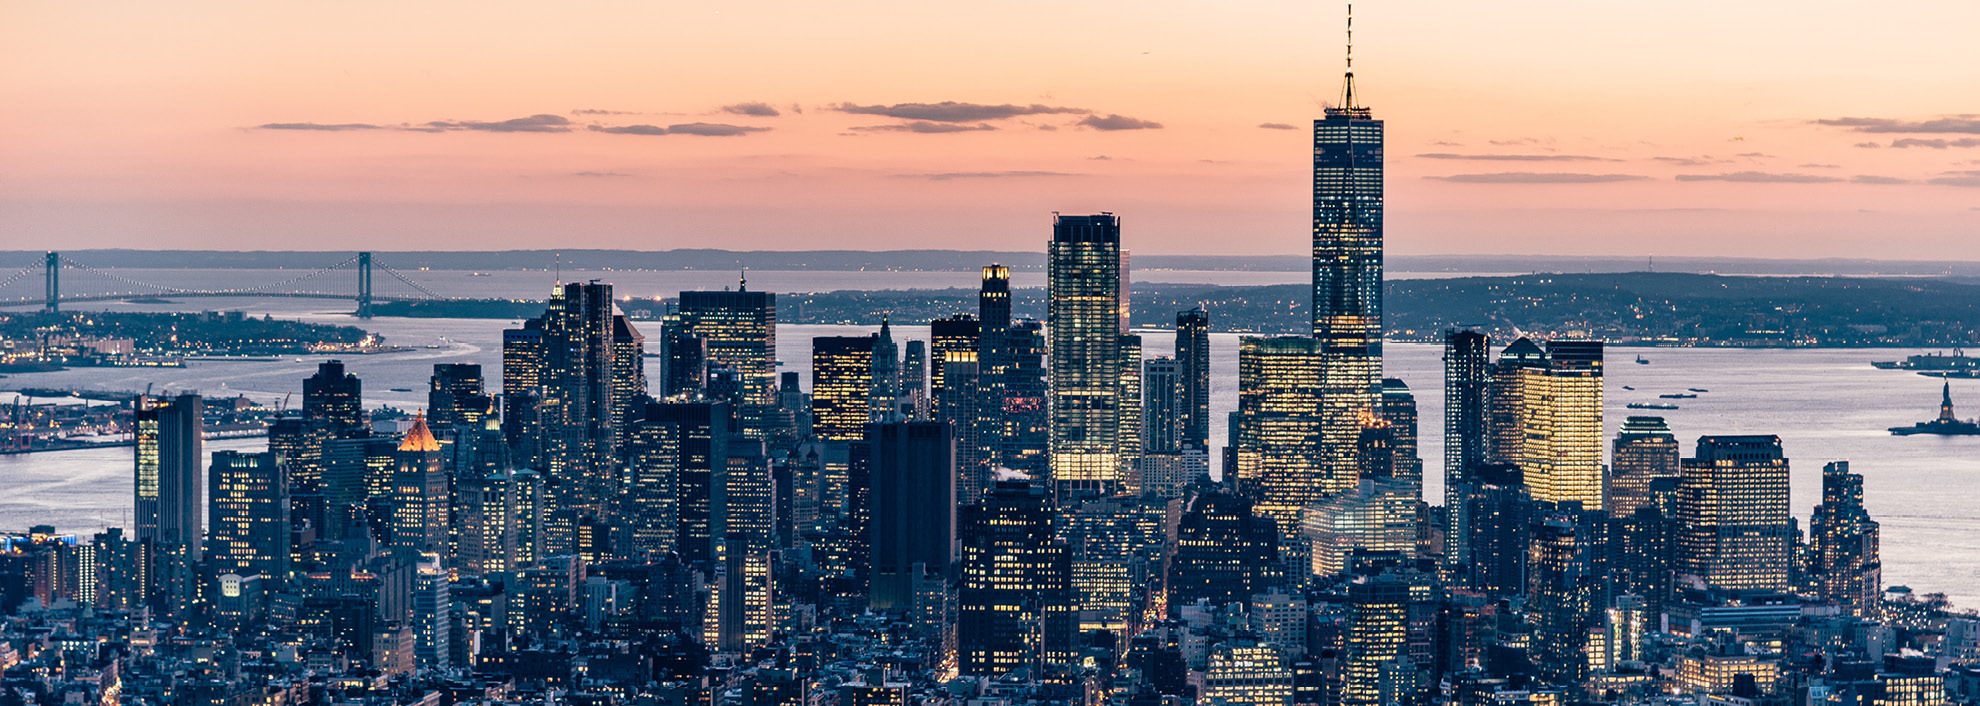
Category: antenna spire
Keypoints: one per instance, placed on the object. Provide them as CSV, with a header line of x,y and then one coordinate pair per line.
x,y
1347,88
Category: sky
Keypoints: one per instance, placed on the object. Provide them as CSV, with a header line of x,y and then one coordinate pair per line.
x,y
1814,128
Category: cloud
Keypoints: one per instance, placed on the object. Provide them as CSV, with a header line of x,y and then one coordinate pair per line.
x,y
1869,145
1761,178
697,129
1936,143
601,111
1538,178
1118,122
1009,174
1515,157
1966,179
756,109
541,122
1688,161
1755,155
1515,141
1965,124
926,128
1100,158
1278,126
1818,165
1877,180
319,127
597,174
955,112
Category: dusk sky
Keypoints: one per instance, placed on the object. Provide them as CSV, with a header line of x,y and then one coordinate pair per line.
x,y
1692,127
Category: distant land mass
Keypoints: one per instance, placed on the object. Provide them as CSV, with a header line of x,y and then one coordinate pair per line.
x,y
1642,308
966,260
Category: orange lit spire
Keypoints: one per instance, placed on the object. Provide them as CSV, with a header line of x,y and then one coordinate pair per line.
x,y
419,438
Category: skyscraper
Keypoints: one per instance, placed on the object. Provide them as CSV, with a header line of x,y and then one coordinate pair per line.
x,y
455,397
738,330
912,520
954,338
1162,405
651,508
1398,410
842,386
1347,271
1563,589
914,380
1734,527
1562,402
170,482
1085,281
683,359
248,518
334,401
1505,400
1128,432
1224,551
1014,603
1193,376
956,406
1023,415
884,400
1278,430
1498,513
420,523
701,429
1843,554
1377,635
577,402
1645,452
1467,375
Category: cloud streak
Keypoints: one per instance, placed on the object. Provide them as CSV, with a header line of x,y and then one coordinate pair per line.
x,y
1009,174
924,127
1937,143
1964,124
1278,126
955,112
1538,178
1117,122
1514,157
755,109
541,122
1761,178
320,127
695,129
1968,179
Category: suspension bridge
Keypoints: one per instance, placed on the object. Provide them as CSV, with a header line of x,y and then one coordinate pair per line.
x,y
109,284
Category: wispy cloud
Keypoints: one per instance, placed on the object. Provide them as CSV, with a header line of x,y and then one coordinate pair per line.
x,y
756,109
1968,124
1966,179
1761,178
320,127
954,111
696,129
541,122
1539,178
926,128
1118,122
1937,143
1818,165
1009,174
1689,161
1514,157
600,174
1278,126
602,111
1877,180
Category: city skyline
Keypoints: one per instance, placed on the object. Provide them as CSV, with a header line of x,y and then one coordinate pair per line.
x,y
1542,127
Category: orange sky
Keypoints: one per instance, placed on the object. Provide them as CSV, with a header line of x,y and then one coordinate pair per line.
x,y
1682,127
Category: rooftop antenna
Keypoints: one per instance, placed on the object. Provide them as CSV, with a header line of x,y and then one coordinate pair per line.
x,y
1347,90
742,279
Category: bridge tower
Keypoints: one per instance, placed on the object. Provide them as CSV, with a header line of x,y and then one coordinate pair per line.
x,y
364,285
51,287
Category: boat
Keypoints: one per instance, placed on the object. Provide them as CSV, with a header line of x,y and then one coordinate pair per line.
x,y
1651,405
1626,387
1956,374
1640,360
402,389
1959,360
1678,396
1947,424
1697,389
478,274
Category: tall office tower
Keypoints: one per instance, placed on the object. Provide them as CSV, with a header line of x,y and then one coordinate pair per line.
x,y
745,504
123,571
842,386
419,493
1161,406
1128,430
334,400
1645,452
1398,408
501,518
1375,521
1563,578
1647,541
1377,636
911,528
170,481
651,506
885,399
683,360
1467,374
1505,399
1279,433
1734,529
571,350
1170,475
1223,551
1499,512
739,330
1247,672
1085,281
1347,272
796,404
1023,413
248,517
702,431
300,447
1562,453
456,397
628,367
1843,549
1193,359
1117,546
994,343
955,338
956,406
1014,602
432,613
522,391
913,404
1626,623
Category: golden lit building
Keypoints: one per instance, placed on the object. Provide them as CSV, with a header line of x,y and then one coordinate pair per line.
x,y
1243,673
1734,529
841,384
1084,325
1280,463
1561,455
1379,516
